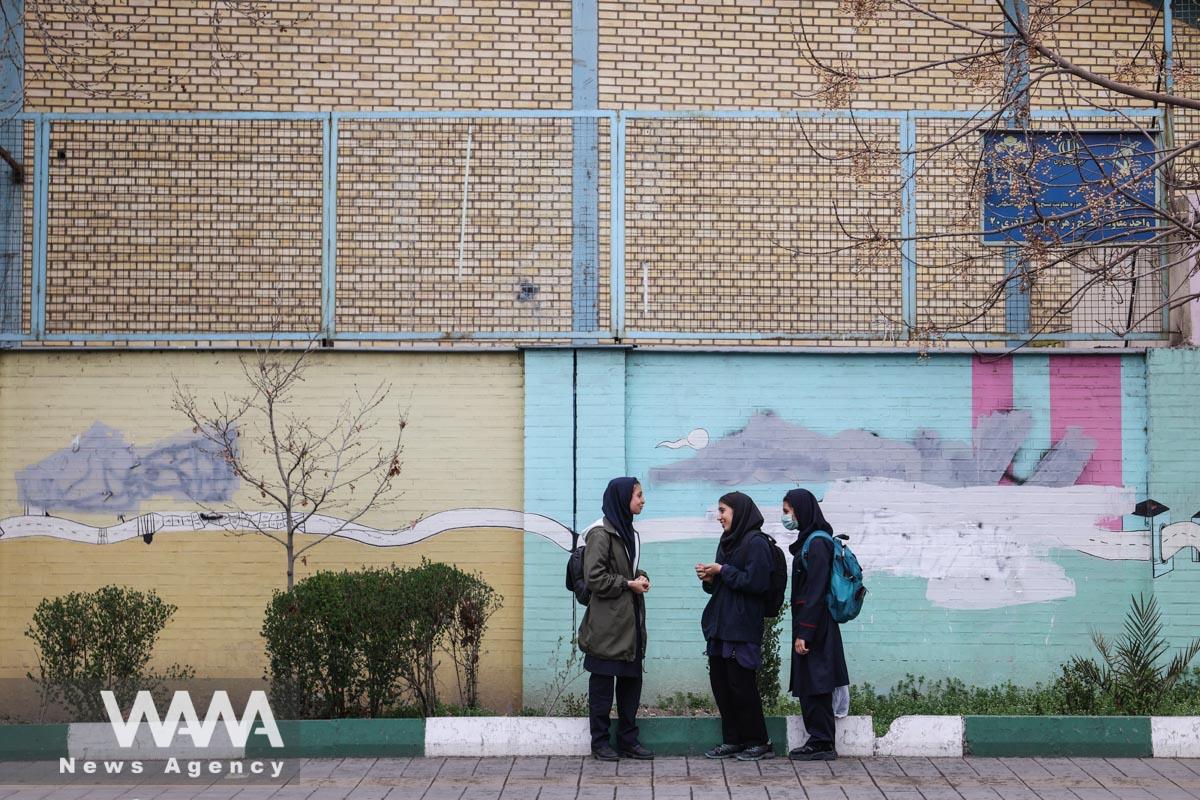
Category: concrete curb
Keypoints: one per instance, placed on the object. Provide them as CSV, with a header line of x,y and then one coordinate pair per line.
x,y
1095,737
926,736
1175,737
507,736
855,736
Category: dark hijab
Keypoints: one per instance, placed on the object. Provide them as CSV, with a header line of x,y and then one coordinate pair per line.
x,y
616,510
808,515
746,518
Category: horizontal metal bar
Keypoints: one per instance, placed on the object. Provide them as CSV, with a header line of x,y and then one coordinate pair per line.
x,y
136,116
178,337
762,113
509,114
750,113
1056,337
839,113
754,337
410,336
950,336
526,335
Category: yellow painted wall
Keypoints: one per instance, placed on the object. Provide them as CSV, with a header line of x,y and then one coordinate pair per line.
x,y
462,448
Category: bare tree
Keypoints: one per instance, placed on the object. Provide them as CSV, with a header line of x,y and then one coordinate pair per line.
x,y
330,472
1063,258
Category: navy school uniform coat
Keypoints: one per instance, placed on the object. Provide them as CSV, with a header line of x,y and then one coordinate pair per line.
x,y
736,609
824,668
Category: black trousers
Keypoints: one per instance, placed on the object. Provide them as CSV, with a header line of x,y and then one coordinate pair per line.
x,y
600,702
735,689
818,717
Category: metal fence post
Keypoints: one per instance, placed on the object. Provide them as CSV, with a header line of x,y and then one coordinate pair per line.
x,y
41,204
329,134
908,221
617,270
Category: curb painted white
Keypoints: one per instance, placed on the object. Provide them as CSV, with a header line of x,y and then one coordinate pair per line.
x,y
855,736
96,740
1175,737
926,736
507,736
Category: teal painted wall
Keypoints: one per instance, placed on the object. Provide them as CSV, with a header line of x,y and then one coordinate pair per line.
x,y
982,572
1173,388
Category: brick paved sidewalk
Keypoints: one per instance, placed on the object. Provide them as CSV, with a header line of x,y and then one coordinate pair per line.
x,y
677,779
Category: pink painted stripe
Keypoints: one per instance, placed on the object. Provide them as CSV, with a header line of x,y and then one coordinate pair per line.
x,y
1085,392
991,386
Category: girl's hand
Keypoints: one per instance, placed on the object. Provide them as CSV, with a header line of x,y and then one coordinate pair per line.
x,y
801,648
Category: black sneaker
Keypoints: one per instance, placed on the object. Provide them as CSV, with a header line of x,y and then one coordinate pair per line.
x,y
814,752
637,752
605,753
725,751
757,753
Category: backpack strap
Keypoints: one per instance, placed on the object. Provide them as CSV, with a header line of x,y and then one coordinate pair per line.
x,y
809,541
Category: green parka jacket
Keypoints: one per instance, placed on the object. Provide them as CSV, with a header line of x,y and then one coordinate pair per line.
x,y
610,625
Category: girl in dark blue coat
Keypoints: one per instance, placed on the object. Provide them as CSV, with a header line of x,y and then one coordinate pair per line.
x,y
818,661
733,627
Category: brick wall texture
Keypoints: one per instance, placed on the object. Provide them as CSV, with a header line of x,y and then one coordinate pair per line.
x,y
200,226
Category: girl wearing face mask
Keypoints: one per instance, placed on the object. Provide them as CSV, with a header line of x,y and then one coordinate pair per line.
x,y
818,661
612,635
733,626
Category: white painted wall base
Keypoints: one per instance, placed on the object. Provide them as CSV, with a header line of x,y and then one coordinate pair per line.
x,y
928,736
95,740
1175,737
507,736
855,737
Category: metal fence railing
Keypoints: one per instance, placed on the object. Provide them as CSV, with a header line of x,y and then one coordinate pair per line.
x,y
672,226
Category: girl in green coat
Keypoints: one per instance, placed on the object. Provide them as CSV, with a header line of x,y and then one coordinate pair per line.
x,y
612,635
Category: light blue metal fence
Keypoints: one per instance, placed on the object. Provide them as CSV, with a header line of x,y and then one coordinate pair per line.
x,y
466,225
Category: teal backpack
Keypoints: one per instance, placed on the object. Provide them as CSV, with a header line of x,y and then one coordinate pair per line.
x,y
846,591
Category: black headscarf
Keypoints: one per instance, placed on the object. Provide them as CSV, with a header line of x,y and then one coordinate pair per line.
x,y
746,518
808,515
616,511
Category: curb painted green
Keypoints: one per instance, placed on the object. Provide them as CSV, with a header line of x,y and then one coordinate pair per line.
x,y
691,736
33,742
342,738
1098,737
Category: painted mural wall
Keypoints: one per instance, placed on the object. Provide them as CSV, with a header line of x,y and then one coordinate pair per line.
x,y
92,459
990,501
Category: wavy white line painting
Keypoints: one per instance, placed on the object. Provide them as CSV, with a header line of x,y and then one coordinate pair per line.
x,y
977,547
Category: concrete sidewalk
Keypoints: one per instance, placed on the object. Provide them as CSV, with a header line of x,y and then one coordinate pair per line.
x,y
571,778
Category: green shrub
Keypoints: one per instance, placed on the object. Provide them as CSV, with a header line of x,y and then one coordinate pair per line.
x,y
367,643
687,704
1131,677
768,671
950,696
88,642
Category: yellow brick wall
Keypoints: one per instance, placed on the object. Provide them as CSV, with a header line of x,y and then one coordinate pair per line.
x,y
462,448
184,226
412,257
301,56
728,54
245,236
734,225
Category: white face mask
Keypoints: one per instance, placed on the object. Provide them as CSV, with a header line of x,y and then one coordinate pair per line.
x,y
789,522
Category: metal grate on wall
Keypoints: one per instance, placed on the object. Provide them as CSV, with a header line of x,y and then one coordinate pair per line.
x,y
16,186
184,225
463,225
737,225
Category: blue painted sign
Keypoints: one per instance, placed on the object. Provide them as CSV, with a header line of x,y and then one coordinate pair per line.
x,y
1068,187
